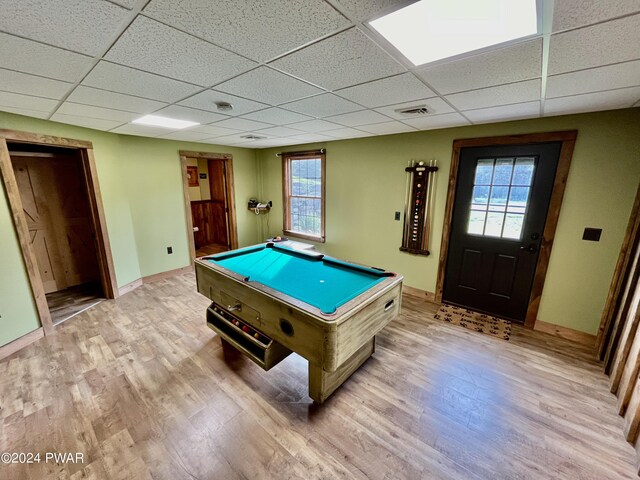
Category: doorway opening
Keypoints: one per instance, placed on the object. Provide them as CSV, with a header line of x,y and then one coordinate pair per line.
x,y
502,210
209,202
52,189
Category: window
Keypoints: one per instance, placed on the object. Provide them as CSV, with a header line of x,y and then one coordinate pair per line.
x,y
303,176
500,197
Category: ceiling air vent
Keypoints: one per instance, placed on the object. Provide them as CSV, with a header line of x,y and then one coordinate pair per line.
x,y
413,111
253,137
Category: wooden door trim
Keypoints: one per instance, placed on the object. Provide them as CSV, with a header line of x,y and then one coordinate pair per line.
x,y
619,278
105,258
22,230
103,244
230,194
568,139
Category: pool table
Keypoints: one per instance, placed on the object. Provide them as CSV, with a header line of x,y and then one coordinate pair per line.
x,y
269,301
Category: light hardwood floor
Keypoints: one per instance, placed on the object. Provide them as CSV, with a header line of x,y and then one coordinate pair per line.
x,y
139,385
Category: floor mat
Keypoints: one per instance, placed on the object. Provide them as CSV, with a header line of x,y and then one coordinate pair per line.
x,y
478,322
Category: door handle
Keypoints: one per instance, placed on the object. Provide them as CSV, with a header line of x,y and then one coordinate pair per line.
x,y
530,248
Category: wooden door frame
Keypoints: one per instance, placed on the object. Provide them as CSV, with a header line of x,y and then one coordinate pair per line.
x,y
230,193
568,139
99,225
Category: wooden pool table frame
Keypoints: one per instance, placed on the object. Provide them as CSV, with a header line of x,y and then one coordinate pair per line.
x,y
335,345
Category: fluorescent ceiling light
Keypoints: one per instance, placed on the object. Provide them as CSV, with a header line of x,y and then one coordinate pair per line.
x,y
165,122
431,30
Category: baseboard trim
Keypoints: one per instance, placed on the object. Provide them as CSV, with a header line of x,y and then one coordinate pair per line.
x,y
156,277
19,343
416,292
129,287
566,333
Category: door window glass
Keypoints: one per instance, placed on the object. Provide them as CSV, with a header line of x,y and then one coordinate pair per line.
x,y
500,196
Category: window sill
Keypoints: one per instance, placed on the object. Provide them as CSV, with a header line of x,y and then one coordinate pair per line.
x,y
305,236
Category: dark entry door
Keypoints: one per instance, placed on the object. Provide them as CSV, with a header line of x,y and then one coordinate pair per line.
x,y
500,208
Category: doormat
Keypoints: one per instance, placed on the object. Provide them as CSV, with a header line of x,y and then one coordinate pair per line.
x,y
478,322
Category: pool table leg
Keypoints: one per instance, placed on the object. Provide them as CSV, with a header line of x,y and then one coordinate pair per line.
x,y
322,383
229,351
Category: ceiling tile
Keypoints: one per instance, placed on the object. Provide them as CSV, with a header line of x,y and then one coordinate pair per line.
x,y
95,123
315,126
91,111
156,48
511,64
25,111
274,142
16,100
346,132
438,121
366,10
17,82
207,101
363,117
387,128
434,105
322,105
277,116
602,44
592,102
242,124
185,135
141,130
313,137
279,131
234,139
595,79
213,131
258,29
126,3
400,88
576,13
505,112
493,96
345,59
191,114
117,78
32,57
119,101
268,86
84,26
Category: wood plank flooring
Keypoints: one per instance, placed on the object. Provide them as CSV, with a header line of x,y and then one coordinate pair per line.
x,y
66,303
140,387
211,250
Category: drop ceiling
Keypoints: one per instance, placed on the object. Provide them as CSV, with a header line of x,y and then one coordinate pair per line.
x,y
298,72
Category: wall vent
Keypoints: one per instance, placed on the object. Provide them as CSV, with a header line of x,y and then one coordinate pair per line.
x,y
413,111
253,137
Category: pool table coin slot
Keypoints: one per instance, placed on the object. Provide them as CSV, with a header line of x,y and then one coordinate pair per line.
x,y
240,309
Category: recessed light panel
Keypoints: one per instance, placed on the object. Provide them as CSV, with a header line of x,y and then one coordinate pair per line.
x,y
165,122
431,30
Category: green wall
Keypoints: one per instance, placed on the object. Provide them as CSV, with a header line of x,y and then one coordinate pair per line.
x,y
141,186
142,195
366,185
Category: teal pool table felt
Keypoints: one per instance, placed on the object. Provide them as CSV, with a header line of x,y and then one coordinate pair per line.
x,y
323,282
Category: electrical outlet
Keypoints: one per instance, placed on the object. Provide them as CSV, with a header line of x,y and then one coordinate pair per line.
x,y
592,234
397,217
169,250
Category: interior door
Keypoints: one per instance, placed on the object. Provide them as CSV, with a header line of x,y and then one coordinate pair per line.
x,y
501,202
56,205
219,210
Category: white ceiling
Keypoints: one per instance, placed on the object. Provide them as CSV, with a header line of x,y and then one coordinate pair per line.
x,y
298,72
